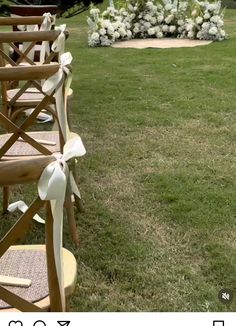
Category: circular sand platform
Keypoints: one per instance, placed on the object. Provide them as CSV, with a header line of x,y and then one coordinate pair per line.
x,y
163,43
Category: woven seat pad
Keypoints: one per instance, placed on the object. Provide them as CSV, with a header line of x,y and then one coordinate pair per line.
x,y
21,148
30,264
31,94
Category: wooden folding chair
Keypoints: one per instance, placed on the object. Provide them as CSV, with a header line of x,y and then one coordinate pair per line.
x,y
30,280
24,159
20,143
31,23
11,101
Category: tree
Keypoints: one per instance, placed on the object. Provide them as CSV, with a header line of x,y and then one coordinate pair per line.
x,y
67,8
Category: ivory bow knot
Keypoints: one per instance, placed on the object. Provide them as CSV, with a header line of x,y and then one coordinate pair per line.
x,y
52,183
58,45
47,23
52,186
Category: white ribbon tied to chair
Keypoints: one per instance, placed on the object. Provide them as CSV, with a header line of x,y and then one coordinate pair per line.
x,y
52,83
45,26
53,181
52,186
58,45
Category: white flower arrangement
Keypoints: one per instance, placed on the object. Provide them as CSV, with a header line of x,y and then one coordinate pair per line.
x,y
206,22
156,18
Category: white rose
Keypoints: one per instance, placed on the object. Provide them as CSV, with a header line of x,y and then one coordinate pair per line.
x,y
191,34
165,28
213,30
147,25
180,22
160,18
169,19
199,20
168,6
147,17
206,16
122,32
174,11
159,35
128,26
172,29
151,31
222,33
136,30
102,31
129,34
153,20
189,27
205,25
95,36
105,23
110,29
117,35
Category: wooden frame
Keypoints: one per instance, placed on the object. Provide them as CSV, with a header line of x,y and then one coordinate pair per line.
x,y
29,170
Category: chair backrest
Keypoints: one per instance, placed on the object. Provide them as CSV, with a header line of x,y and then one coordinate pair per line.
x,y
28,23
24,11
8,41
29,75
33,10
44,38
27,20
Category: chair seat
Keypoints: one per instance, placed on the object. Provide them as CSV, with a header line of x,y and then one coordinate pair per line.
x,y
29,261
23,149
31,97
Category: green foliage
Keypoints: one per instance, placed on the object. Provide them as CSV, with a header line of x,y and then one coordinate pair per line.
x,y
68,8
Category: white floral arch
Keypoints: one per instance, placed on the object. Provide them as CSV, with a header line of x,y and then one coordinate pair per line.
x,y
194,19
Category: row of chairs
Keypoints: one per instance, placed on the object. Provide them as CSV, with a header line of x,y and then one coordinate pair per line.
x,y
37,277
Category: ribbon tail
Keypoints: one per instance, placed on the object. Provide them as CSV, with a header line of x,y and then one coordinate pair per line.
x,y
74,186
57,210
62,114
23,208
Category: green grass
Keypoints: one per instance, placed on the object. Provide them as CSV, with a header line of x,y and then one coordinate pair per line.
x,y
158,233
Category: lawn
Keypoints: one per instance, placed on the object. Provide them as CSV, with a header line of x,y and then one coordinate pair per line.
x,y
158,232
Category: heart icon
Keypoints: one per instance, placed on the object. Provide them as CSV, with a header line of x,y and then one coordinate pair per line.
x,y
15,323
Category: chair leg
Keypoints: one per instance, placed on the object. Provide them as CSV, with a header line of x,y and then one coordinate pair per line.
x,y
71,219
6,195
78,201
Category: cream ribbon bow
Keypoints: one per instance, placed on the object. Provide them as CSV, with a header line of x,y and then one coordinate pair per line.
x,y
52,186
55,82
58,45
45,26
47,23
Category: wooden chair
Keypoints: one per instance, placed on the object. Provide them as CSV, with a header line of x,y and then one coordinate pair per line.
x,y
34,144
29,279
31,23
13,103
24,160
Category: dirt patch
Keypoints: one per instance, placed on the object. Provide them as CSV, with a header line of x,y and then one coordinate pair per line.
x,y
163,43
